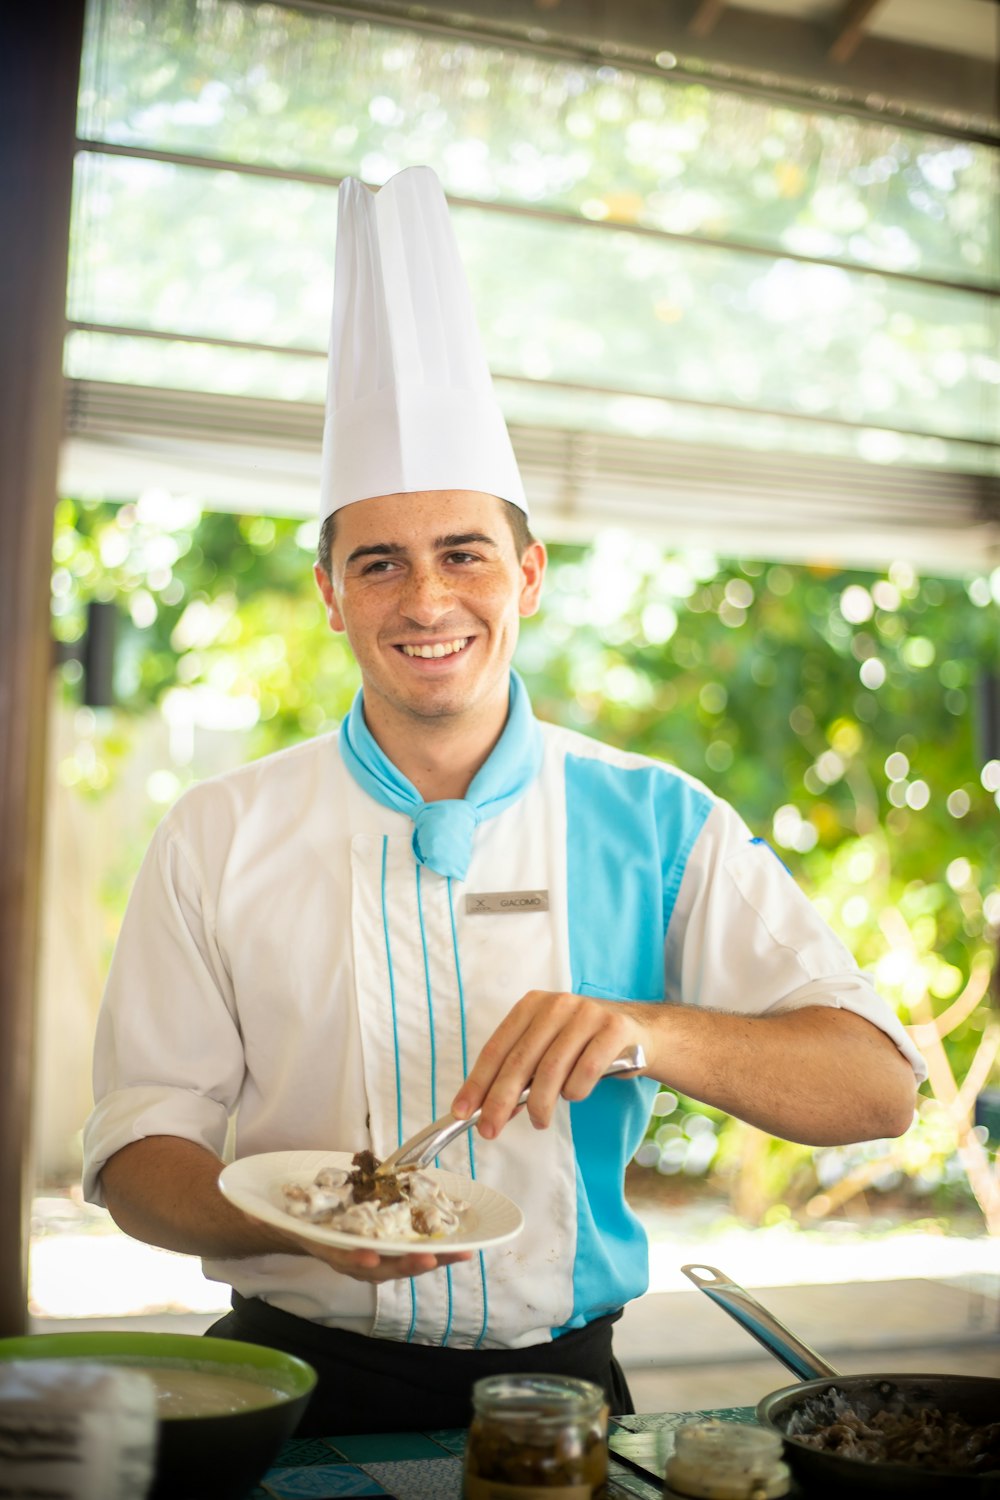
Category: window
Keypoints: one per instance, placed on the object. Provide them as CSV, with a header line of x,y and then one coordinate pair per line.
x,y
701,309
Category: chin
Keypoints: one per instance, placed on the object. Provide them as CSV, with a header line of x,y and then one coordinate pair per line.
x,y
439,707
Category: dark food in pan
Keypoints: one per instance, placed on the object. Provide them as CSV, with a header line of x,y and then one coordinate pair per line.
x,y
894,1431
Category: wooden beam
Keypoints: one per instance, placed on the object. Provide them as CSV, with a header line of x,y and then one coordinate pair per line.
x,y
850,28
39,75
703,22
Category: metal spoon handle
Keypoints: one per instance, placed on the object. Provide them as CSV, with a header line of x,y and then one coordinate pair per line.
x,y
429,1142
757,1320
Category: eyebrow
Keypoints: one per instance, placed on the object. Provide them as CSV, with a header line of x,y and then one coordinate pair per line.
x,y
441,544
463,539
376,549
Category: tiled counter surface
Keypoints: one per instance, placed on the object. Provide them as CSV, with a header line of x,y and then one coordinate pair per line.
x,y
428,1466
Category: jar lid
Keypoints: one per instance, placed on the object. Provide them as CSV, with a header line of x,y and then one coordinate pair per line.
x,y
727,1460
537,1397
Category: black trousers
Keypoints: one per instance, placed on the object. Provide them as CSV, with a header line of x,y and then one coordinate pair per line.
x,y
380,1385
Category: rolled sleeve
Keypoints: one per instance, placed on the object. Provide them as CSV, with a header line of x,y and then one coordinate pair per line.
x,y
168,1055
131,1114
855,991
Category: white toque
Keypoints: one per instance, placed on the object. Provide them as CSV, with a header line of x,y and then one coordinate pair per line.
x,y
410,403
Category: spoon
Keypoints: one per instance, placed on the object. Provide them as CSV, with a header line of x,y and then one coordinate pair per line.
x,y
427,1143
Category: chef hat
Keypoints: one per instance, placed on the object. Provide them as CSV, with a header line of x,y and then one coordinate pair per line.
x,y
410,402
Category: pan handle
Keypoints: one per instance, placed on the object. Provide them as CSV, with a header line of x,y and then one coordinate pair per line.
x,y
748,1312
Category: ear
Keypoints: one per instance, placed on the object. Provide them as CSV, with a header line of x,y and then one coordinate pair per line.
x,y
533,565
323,582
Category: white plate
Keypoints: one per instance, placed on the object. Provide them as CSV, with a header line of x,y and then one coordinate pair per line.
x,y
254,1184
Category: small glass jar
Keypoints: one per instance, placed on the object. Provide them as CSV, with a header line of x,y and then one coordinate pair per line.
x,y
543,1436
727,1461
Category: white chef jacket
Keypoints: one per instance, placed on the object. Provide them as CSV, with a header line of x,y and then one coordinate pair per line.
x,y
285,960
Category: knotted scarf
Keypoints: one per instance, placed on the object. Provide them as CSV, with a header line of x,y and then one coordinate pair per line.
x,y
442,831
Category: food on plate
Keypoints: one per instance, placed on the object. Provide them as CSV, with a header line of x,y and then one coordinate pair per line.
x,y
895,1432
405,1205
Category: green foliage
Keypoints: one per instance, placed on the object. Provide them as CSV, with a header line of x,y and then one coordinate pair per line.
x,y
747,675
217,607
752,677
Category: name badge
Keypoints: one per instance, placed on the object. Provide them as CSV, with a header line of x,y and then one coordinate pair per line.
x,y
505,903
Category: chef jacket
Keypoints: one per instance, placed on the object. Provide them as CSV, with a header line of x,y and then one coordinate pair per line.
x,y
288,976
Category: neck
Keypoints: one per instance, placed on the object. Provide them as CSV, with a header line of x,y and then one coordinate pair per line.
x,y
439,756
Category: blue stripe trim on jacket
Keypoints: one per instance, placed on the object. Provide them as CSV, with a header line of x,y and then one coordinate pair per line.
x,y
433,1050
395,1046
465,1074
392,999
430,1002
630,832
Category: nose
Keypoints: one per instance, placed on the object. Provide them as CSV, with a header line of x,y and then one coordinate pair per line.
x,y
426,597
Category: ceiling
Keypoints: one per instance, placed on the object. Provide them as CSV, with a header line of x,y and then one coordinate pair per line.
x,y
963,26
936,59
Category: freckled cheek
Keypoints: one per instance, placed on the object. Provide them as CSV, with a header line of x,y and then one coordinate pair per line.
x,y
489,602
369,613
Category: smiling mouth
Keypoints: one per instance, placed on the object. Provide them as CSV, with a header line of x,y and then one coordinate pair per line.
x,y
439,649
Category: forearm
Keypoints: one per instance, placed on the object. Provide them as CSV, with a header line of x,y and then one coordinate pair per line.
x,y
819,1075
164,1190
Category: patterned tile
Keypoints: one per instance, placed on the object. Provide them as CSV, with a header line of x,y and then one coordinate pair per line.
x,y
453,1439
668,1421
623,1485
319,1482
385,1447
730,1414
428,1466
299,1452
422,1479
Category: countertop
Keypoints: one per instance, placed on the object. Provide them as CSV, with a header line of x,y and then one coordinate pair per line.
x,y
428,1465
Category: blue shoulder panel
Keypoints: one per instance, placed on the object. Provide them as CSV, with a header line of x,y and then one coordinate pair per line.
x,y
629,835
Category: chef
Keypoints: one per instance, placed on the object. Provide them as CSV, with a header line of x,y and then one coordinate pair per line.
x,y
441,902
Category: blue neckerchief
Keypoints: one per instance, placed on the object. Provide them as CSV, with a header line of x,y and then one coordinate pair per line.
x,y
442,833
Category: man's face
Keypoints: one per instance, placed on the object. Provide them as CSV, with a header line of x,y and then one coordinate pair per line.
x,y
429,589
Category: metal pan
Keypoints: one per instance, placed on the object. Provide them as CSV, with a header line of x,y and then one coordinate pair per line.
x,y
975,1398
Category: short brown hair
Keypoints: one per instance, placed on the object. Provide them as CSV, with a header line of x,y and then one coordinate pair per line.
x,y
516,520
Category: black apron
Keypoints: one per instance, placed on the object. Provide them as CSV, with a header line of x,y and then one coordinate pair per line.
x,y
381,1385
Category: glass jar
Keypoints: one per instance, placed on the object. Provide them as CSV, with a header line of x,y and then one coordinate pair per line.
x,y
727,1461
543,1436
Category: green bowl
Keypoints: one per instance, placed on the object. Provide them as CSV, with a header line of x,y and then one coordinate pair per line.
x,y
198,1458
